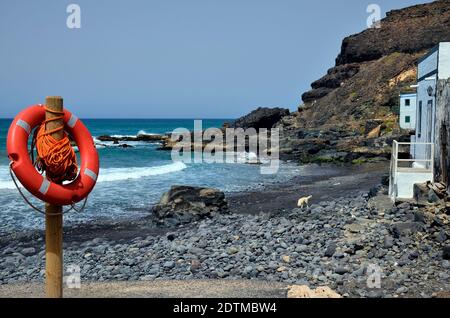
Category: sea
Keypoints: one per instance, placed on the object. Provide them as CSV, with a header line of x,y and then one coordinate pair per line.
x,y
132,179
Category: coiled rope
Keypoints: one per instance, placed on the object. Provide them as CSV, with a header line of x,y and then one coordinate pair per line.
x,y
56,157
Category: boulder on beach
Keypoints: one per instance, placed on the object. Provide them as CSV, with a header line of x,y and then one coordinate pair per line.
x,y
303,291
186,204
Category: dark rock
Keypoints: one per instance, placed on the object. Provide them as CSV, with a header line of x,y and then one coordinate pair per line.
x,y
316,94
375,294
341,270
427,20
404,261
261,118
441,236
331,249
140,137
336,76
195,202
406,228
432,197
421,193
421,216
446,252
171,236
388,242
414,255
108,138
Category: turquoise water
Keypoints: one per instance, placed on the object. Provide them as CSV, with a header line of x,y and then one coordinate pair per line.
x,y
132,179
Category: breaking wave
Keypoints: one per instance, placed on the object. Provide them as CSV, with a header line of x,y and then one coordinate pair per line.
x,y
110,174
118,174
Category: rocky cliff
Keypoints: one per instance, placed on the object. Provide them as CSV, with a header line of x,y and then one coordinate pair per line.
x,y
352,111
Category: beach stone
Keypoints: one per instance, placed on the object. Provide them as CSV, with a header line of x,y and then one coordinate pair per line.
x,y
406,228
401,290
281,269
414,255
331,249
441,236
8,250
171,236
28,251
232,250
304,291
286,258
196,251
446,252
341,270
195,265
375,294
446,264
169,264
388,242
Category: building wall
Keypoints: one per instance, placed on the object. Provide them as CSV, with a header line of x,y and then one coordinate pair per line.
x,y
429,64
408,111
406,181
425,114
444,60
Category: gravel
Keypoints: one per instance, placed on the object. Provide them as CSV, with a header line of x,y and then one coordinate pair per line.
x,y
337,247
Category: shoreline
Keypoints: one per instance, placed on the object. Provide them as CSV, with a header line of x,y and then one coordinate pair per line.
x,y
336,180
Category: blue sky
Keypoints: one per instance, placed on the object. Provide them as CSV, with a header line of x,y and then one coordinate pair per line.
x,y
171,58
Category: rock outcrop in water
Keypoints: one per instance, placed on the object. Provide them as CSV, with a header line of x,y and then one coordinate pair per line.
x,y
336,121
140,137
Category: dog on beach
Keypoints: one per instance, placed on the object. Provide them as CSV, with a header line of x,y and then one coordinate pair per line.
x,y
304,201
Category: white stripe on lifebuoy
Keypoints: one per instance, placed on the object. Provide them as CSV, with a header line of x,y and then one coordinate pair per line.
x,y
24,125
45,185
91,174
72,121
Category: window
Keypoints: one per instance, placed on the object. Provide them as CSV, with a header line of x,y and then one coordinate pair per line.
x,y
408,119
419,128
407,102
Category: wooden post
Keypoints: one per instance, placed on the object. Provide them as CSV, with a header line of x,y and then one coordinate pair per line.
x,y
54,223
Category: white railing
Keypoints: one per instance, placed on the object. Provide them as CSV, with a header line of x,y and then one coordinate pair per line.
x,y
411,164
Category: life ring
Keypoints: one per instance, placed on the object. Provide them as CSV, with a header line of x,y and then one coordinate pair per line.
x,y
31,179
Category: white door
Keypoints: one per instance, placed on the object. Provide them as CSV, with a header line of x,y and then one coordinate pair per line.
x,y
429,131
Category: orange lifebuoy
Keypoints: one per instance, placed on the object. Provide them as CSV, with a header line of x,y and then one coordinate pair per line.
x,y
31,179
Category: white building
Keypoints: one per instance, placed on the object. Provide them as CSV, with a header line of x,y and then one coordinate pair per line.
x,y
408,110
419,167
432,67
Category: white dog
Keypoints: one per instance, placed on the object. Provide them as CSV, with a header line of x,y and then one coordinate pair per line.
x,y
304,201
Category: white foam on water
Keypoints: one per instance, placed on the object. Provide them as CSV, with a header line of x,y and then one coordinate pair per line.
x,y
5,178
140,132
143,132
119,174
123,136
109,174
